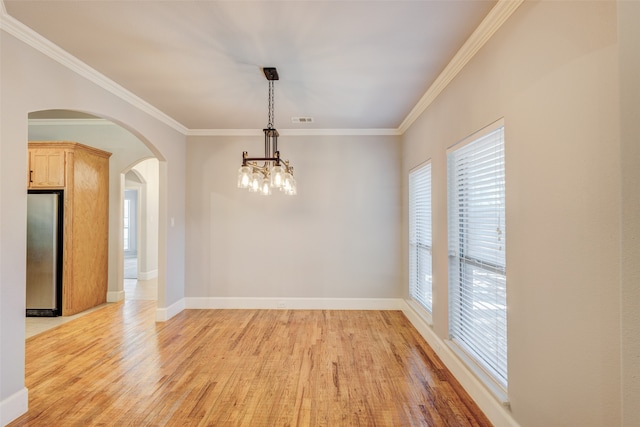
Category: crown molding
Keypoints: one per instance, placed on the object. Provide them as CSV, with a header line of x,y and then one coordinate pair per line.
x,y
227,132
295,132
224,132
487,28
340,132
53,51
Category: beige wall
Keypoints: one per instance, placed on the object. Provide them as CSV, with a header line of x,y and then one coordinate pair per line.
x,y
338,238
629,40
551,73
31,81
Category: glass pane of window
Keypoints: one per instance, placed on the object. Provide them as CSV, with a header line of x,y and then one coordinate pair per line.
x,y
127,214
420,286
477,263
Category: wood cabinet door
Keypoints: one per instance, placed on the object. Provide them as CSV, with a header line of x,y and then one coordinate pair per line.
x,y
46,168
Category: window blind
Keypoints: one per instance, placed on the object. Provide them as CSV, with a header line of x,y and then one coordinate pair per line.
x,y
477,264
420,236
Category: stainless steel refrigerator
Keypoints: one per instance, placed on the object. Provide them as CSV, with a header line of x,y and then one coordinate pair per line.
x,y
44,252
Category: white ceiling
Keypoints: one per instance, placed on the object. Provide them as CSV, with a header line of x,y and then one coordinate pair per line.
x,y
348,64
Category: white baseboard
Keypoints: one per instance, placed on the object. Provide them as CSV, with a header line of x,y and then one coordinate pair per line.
x,y
286,303
115,296
147,275
497,413
164,314
14,406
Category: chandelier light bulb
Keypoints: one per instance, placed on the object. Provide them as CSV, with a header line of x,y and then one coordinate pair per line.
x,y
244,177
290,187
286,184
265,188
256,180
277,176
294,187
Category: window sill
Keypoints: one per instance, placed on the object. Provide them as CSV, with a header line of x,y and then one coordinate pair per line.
x,y
496,389
421,311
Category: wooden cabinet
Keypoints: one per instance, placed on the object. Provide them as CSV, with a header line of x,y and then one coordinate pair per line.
x,y
82,173
46,168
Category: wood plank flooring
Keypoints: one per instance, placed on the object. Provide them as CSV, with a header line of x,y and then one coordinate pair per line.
x,y
117,367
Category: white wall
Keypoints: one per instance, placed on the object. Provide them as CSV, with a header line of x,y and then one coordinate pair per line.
x,y
31,81
338,238
148,226
551,72
125,148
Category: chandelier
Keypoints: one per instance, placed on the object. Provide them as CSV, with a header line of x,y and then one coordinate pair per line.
x,y
273,173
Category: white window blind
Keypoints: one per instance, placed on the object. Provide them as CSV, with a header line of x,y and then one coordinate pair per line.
x,y
477,265
420,235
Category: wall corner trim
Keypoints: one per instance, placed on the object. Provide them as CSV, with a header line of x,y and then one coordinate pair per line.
x,y
487,28
14,406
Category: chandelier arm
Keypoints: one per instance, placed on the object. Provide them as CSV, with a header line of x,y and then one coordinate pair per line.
x,y
264,170
246,162
261,159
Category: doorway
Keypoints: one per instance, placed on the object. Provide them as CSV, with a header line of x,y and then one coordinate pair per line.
x,y
130,235
140,206
129,153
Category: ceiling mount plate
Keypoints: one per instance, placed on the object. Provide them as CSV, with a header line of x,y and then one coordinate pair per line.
x,y
270,73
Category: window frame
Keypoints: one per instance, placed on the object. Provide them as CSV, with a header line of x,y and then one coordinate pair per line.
x,y
417,244
493,370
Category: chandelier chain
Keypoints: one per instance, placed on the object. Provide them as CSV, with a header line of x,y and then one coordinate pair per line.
x,y
270,126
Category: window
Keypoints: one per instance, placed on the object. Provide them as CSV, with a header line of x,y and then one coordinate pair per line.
x,y
420,236
477,264
125,223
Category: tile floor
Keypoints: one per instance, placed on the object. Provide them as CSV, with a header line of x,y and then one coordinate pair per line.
x,y
36,325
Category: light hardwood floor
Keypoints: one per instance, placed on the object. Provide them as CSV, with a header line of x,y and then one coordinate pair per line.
x,y
134,289
117,367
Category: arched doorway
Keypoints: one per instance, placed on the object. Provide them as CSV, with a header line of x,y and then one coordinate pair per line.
x,y
127,149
